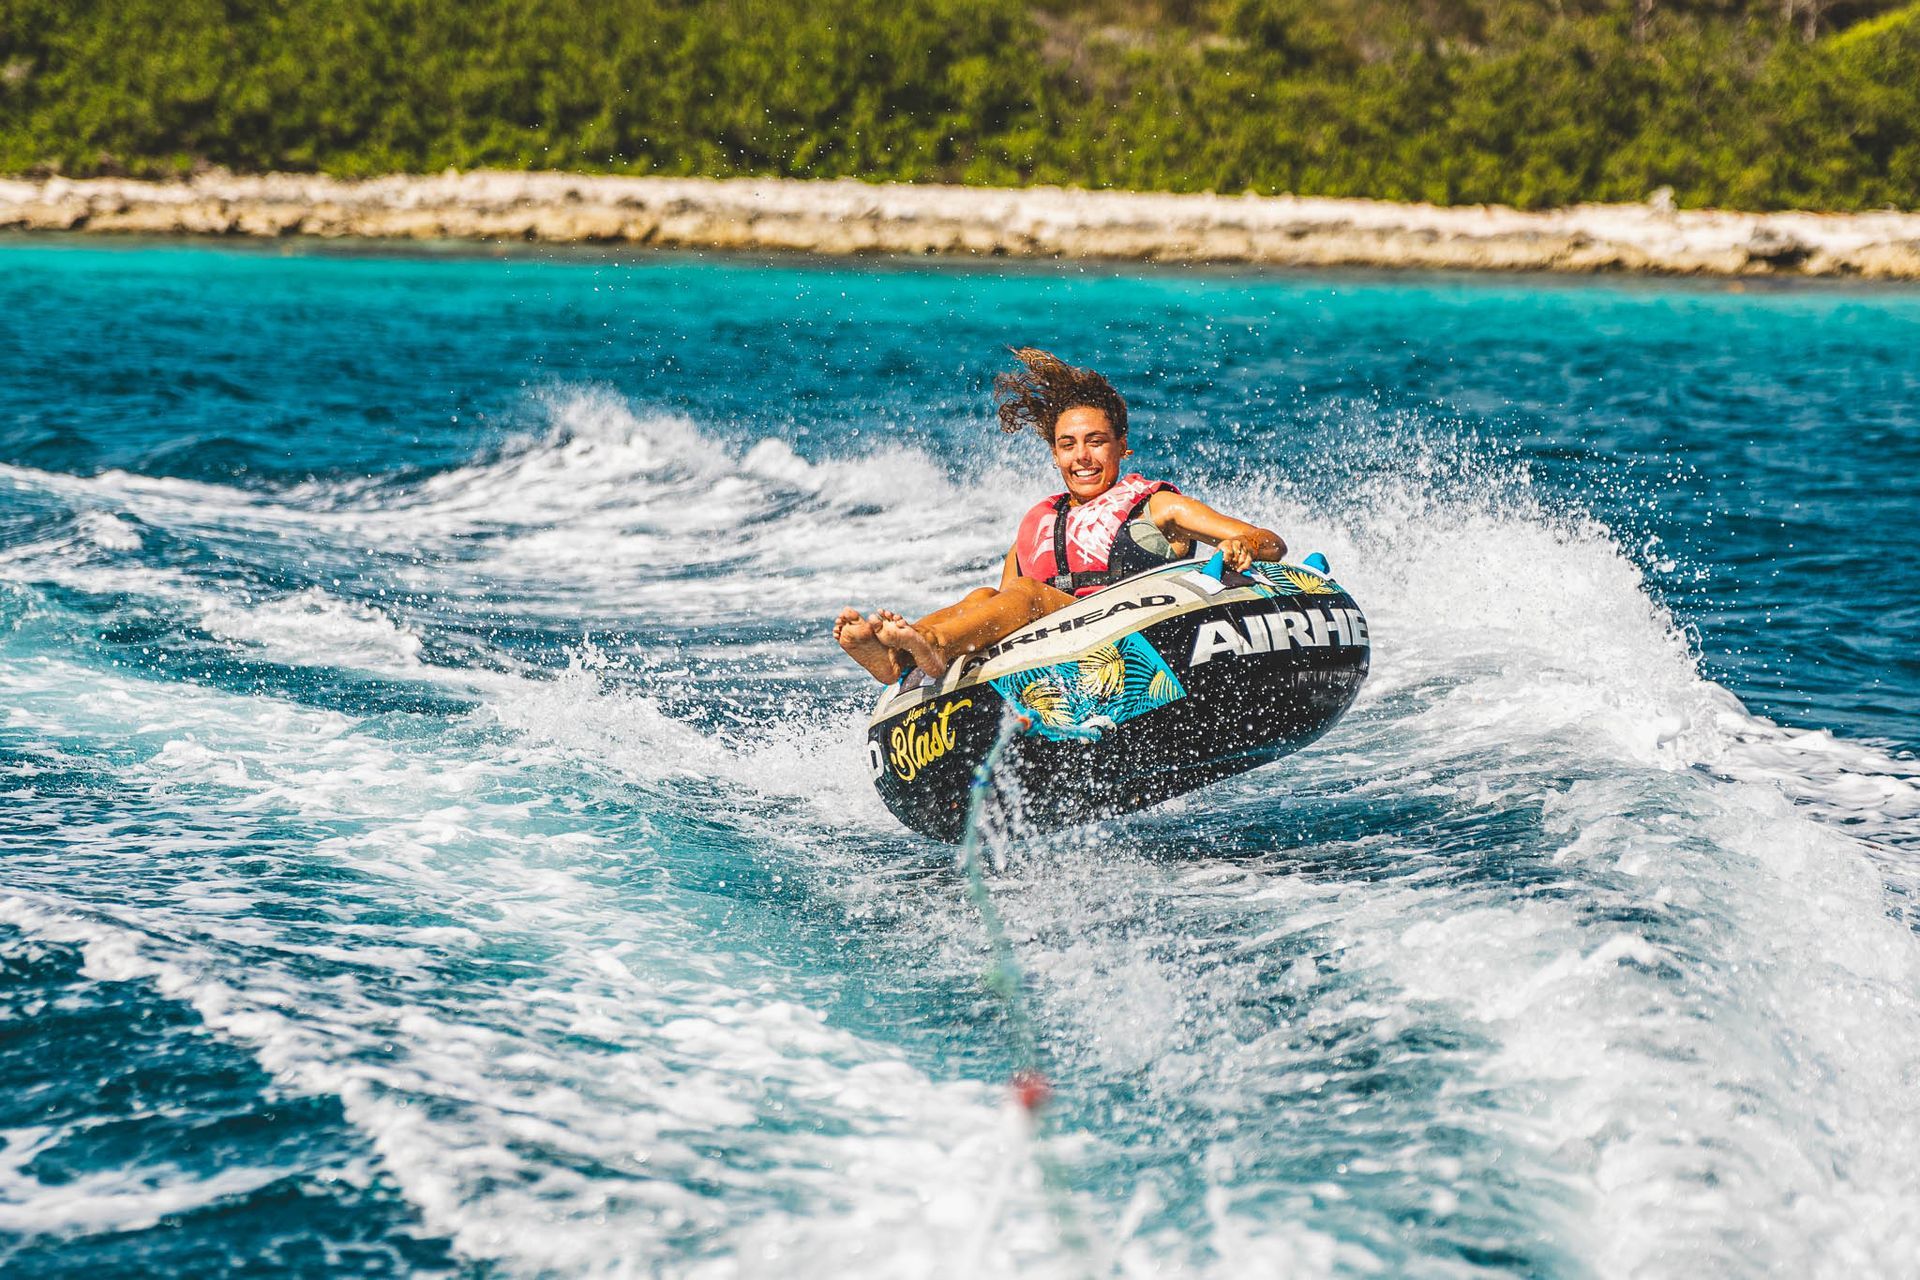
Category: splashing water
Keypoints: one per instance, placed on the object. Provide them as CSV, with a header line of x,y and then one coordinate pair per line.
x,y
437,834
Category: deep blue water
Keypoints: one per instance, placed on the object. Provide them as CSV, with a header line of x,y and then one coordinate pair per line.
x,y
434,829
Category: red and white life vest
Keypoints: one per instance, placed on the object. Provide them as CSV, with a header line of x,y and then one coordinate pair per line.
x,y
1084,533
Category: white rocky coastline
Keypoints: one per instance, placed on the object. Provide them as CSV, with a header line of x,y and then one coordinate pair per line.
x,y
848,217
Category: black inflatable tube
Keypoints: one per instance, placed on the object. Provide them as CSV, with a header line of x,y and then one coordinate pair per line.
x,y
1138,693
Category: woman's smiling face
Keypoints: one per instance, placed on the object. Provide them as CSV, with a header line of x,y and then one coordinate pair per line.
x,y
1087,451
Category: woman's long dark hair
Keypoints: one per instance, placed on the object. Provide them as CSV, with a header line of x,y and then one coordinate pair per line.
x,y
1047,388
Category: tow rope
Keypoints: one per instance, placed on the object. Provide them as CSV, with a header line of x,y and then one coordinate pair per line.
x,y
1031,1088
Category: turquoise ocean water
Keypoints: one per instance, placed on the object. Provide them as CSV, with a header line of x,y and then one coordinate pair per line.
x,y
435,834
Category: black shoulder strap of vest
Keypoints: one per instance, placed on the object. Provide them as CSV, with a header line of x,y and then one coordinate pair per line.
x,y
1062,577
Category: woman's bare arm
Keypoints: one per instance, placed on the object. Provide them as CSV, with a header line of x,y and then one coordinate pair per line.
x,y
1179,516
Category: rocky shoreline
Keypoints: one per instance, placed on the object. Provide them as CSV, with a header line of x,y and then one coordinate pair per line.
x,y
845,217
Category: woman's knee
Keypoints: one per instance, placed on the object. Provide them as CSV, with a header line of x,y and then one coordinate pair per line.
x,y
1036,597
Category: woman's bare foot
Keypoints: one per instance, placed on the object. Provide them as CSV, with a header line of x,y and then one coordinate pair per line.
x,y
896,632
855,635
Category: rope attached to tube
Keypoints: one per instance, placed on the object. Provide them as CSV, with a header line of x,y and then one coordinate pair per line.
x,y
1032,1090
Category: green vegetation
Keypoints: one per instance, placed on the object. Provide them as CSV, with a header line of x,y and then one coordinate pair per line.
x,y
1745,103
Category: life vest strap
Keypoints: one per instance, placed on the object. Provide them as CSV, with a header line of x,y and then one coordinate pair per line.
x,y
1097,561
1079,580
1063,578
1076,581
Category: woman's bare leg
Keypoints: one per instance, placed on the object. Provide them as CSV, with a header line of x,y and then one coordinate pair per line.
x,y
856,636
993,617
970,601
973,624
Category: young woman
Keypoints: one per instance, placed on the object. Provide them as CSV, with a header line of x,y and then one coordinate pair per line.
x,y
1105,527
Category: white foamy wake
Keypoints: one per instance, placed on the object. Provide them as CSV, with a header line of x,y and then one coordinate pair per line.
x,y
1551,954
108,1200
610,513
1693,986
565,1120
1688,1073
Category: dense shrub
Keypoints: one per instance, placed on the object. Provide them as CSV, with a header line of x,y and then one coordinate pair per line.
x,y
1529,102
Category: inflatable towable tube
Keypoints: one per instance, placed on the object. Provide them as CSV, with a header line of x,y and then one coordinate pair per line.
x,y
1137,693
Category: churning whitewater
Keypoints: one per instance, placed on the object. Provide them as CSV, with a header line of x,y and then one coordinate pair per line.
x,y
447,845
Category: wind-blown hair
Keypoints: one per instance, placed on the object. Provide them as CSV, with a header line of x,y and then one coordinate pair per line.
x,y
1047,388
